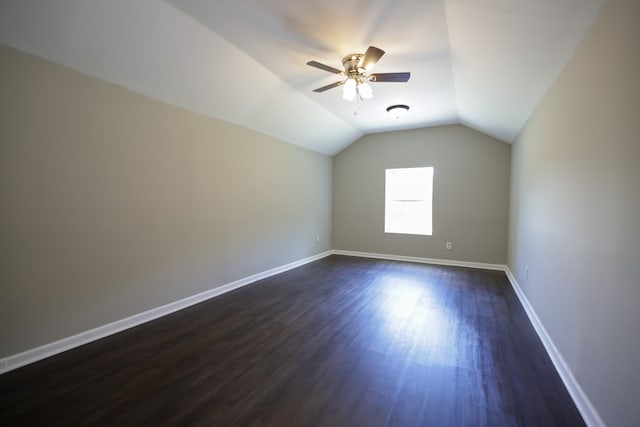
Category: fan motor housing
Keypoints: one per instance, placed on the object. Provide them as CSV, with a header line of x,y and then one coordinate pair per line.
x,y
351,65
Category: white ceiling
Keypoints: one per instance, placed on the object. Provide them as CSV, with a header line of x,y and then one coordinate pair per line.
x,y
483,63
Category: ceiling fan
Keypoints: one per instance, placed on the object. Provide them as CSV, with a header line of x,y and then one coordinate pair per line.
x,y
357,70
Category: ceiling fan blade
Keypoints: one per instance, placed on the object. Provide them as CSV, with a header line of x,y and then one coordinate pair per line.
x,y
371,56
390,77
316,64
327,87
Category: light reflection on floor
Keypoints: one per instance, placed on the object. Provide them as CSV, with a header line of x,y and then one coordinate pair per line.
x,y
415,322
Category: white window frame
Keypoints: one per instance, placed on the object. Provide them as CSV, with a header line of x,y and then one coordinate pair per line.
x,y
409,201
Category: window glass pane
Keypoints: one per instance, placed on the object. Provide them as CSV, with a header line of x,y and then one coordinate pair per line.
x,y
408,196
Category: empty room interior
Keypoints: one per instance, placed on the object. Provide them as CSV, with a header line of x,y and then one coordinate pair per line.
x,y
361,213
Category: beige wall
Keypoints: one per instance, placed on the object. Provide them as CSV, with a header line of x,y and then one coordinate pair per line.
x,y
113,203
470,195
575,213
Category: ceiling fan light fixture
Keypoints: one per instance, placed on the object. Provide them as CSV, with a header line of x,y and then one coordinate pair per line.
x,y
398,110
349,90
356,75
365,91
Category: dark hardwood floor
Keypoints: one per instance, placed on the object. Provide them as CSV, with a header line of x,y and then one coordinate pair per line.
x,y
339,342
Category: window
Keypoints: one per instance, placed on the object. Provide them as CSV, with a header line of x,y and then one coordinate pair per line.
x,y
408,195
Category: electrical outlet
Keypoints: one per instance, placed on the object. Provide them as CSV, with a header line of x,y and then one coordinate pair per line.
x,y
526,274
317,238
448,246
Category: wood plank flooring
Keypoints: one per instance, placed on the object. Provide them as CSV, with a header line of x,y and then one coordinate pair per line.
x,y
339,342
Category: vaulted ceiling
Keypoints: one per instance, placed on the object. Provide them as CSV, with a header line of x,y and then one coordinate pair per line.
x,y
482,63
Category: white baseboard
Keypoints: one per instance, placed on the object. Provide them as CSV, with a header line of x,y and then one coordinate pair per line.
x,y
582,402
33,355
435,261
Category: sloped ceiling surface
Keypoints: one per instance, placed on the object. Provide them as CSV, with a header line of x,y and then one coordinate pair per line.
x,y
483,63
